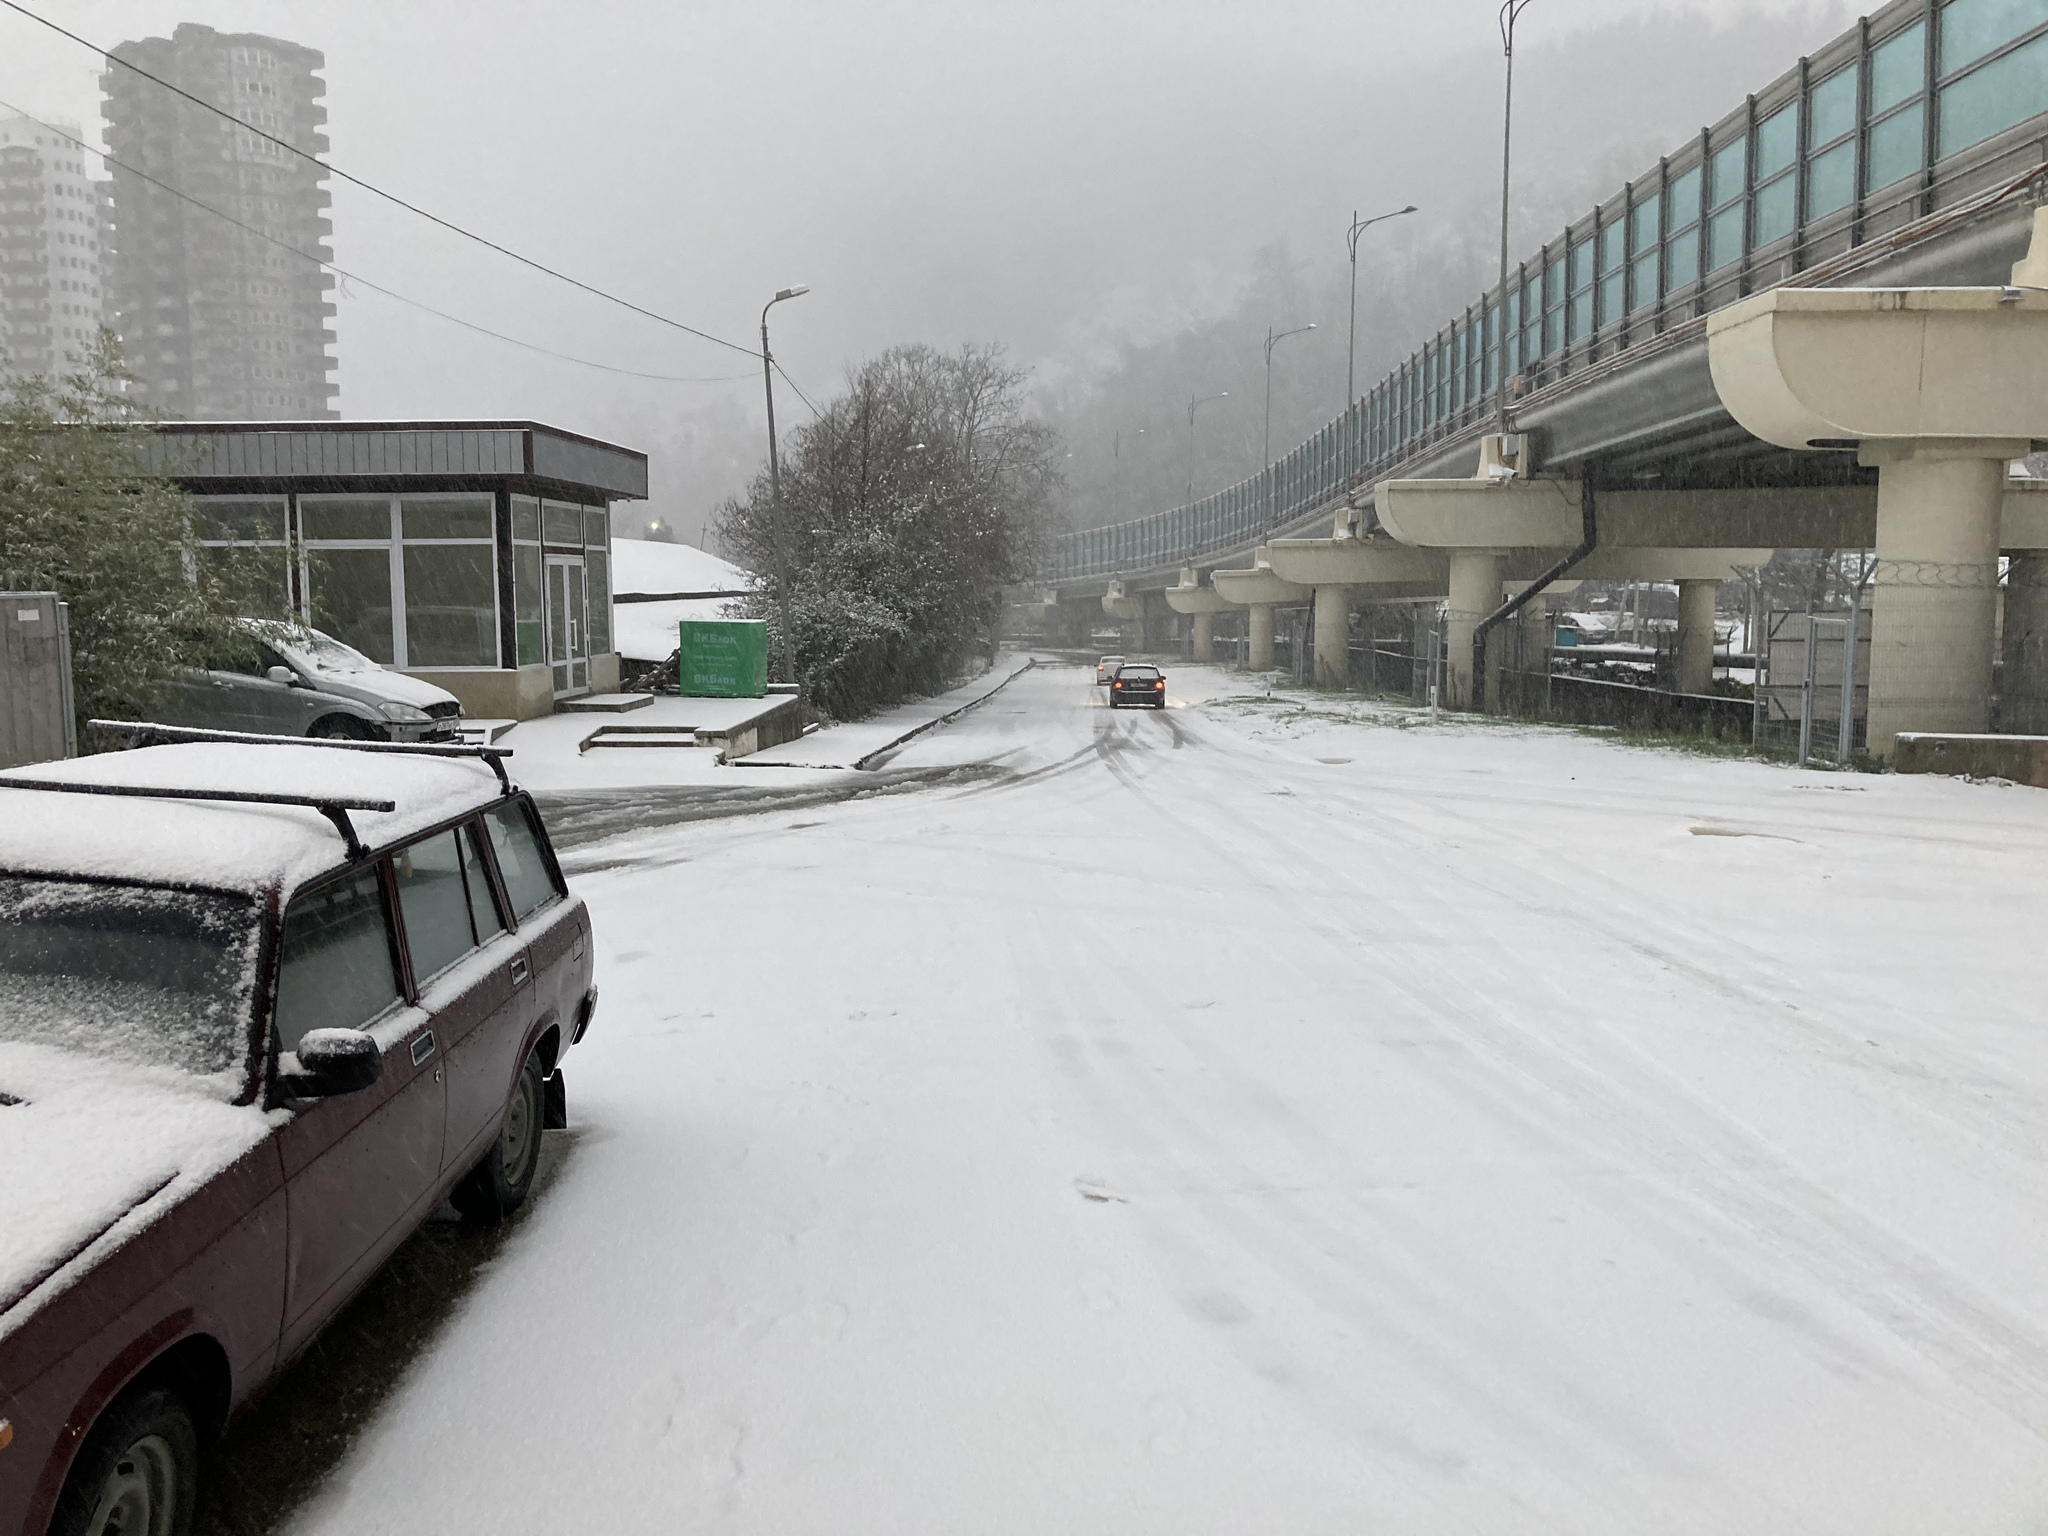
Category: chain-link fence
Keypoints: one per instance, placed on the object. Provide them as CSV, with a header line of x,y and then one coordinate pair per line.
x,y
1403,660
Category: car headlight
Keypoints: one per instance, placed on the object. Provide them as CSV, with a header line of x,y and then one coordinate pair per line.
x,y
407,712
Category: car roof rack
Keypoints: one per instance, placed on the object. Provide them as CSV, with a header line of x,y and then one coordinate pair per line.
x,y
334,807
147,733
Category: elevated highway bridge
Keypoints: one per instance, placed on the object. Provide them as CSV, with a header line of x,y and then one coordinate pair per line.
x,y
1821,323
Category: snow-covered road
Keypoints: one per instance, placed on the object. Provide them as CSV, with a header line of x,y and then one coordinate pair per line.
x,y
1263,1119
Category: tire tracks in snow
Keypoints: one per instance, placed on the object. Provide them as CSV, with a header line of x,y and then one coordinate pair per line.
x,y
1707,1175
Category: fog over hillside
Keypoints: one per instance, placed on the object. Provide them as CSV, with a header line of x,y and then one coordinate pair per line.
x,y
1592,111
1123,193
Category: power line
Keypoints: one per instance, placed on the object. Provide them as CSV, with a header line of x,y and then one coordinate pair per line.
x,y
376,191
799,393
468,325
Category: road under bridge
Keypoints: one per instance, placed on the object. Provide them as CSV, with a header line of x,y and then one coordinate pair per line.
x,y
1736,354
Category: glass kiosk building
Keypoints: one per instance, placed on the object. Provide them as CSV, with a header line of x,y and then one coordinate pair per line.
x,y
476,555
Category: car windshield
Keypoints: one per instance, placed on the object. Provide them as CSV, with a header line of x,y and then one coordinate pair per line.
x,y
134,973
322,653
1139,674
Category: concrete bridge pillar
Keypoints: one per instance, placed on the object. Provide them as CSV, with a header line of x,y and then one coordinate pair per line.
x,y
1203,647
1333,637
1941,388
1474,593
1260,618
2023,691
1530,643
1935,589
1696,635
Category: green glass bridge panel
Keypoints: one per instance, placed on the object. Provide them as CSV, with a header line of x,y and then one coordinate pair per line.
x,y
1831,180
1777,142
1972,28
1898,68
2008,90
1831,110
1685,198
1725,172
1682,257
1898,147
722,658
1775,207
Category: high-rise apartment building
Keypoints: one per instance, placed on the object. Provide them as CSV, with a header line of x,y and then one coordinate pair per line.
x,y
219,322
51,255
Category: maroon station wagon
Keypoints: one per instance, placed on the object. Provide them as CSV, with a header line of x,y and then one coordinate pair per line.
x,y
264,1005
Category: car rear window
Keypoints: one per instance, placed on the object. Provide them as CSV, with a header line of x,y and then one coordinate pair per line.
x,y
135,973
1138,674
528,881
434,903
337,971
445,898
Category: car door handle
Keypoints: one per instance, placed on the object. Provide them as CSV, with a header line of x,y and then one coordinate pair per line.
x,y
423,1047
519,971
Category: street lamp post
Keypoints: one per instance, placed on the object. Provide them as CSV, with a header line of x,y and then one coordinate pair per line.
x,y
1358,227
1510,12
1194,405
781,529
1273,340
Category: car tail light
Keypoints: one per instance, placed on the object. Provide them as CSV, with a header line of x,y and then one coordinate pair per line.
x,y
1160,684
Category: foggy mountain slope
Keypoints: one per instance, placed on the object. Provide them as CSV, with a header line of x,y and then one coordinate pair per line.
x,y
1064,177
1592,111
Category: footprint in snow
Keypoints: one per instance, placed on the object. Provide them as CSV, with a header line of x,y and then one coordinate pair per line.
x,y
1099,1192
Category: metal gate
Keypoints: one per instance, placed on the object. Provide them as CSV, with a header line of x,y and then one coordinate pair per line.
x,y
1802,705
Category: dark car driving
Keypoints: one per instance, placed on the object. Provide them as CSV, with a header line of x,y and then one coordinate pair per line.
x,y
1138,683
264,1005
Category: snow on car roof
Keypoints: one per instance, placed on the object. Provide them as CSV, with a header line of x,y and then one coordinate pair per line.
x,y
224,845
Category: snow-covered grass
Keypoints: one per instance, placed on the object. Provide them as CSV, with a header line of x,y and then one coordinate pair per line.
x,y
647,631
1269,1117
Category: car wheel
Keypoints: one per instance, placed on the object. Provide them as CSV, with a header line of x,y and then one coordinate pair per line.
x,y
137,1473
495,1187
343,728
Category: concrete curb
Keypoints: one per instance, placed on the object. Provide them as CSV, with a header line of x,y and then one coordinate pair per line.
x,y
861,763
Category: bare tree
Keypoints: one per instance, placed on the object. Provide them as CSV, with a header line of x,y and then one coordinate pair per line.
x,y
908,505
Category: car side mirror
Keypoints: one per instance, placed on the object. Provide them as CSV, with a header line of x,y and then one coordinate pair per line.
x,y
330,1062
283,675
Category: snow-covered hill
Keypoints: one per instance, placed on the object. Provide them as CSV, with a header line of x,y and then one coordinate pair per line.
x,y
647,631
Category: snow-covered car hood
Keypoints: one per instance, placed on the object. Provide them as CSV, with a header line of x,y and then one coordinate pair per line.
x,y
91,1153
376,687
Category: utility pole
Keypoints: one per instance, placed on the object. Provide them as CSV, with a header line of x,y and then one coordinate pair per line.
x,y
1510,11
1358,227
781,529
1272,341
1193,406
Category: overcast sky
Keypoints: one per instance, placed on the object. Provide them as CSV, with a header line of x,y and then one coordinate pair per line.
x,y
1038,172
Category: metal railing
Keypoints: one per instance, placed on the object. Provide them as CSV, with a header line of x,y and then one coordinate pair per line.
x,y
1919,107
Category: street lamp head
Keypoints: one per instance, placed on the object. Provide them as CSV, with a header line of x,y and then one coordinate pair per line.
x,y
793,293
1409,209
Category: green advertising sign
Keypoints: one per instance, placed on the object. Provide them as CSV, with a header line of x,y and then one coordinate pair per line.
x,y
723,658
